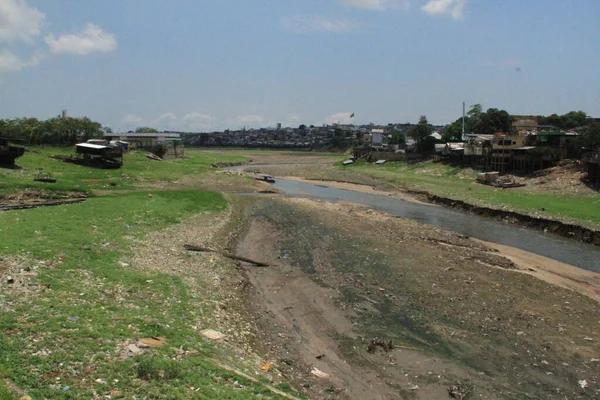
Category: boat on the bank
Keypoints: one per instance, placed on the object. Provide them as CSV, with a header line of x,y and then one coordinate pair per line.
x,y
8,153
265,178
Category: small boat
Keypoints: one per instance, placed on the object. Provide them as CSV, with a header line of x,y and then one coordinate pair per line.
x,y
265,178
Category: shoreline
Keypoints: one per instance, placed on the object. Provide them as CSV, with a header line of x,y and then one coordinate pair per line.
x,y
551,271
571,231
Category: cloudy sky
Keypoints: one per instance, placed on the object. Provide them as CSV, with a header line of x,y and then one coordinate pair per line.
x,y
199,65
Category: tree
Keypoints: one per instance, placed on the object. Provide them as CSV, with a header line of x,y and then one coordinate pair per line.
x,y
398,138
302,127
570,120
589,138
453,133
574,119
420,132
474,117
492,121
145,129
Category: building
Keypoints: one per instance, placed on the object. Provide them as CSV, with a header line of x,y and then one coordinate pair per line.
x,y
592,161
148,141
525,122
377,137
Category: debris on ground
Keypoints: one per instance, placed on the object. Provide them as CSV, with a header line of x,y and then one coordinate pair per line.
x,y
318,373
153,341
153,157
212,334
459,392
230,256
386,345
267,366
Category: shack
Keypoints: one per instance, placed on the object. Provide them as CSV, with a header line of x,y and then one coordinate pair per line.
x,y
98,155
171,142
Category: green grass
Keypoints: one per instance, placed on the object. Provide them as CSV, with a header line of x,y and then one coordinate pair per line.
x,y
63,332
448,181
136,171
75,319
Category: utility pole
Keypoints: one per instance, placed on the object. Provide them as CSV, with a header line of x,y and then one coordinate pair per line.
x,y
463,122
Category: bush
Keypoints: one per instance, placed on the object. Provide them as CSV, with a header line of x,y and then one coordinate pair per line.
x,y
158,368
159,150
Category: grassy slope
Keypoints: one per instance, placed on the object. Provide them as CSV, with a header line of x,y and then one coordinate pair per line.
x,y
65,342
444,180
135,171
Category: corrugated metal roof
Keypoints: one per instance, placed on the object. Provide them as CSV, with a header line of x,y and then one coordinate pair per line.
x,y
145,135
91,146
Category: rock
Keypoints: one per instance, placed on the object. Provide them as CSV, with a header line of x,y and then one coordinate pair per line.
x,y
317,372
212,334
153,341
134,349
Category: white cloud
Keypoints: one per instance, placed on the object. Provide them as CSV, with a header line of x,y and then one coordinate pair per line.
x,y
250,119
307,24
452,7
92,39
19,21
9,62
168,116
376,4
341,118
132,120
197,121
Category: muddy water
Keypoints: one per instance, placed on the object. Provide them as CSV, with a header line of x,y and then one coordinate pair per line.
x,y
568,251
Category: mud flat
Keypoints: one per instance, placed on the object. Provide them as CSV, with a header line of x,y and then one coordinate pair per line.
x,y
462,317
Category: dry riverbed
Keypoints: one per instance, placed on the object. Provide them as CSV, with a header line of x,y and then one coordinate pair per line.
x,y
461,317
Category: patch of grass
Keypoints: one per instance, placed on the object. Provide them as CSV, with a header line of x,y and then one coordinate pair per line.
x,y
4,393
149,368
136,171
73,335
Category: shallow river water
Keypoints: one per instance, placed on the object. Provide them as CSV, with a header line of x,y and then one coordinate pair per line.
x,y
548,245
552,246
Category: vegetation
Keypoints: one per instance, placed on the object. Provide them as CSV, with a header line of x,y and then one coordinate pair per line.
x,y
67,326
137,172
479,122
590,137
145,129
570,120
421,134
456,183
54,131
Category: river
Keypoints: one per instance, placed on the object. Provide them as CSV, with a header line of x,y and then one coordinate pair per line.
x,y
552,246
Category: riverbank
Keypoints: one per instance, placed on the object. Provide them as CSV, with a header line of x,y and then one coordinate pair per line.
x,y
570,215
345,280
100,299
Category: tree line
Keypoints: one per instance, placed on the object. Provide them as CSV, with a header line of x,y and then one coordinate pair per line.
x,y
54,131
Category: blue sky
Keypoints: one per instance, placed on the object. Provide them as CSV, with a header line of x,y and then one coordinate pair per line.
x,y
199,65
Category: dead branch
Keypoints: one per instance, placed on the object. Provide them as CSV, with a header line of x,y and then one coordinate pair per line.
x,y
190,247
